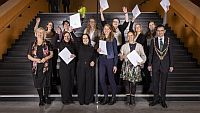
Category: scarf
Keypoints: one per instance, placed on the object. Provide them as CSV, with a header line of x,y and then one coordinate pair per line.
x,y
34,54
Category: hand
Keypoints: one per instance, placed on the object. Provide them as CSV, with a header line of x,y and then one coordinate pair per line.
x,y
114,69
124,9
38,20
37,60
171,69
99,50
72,56
70,29
43,60
133,18
149,68
101,10
92,64
58,30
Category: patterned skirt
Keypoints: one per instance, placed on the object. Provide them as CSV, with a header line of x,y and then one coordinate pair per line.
x,y
130,73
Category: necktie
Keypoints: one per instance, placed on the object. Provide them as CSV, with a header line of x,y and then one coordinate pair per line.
x,y
161,44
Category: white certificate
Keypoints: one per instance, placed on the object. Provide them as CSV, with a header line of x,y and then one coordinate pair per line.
x,y
75,21
65,55
134,58
136,11
165,5
102,46
104,4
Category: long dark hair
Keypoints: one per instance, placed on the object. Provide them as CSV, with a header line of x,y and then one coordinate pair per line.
x,y
89,43
52,30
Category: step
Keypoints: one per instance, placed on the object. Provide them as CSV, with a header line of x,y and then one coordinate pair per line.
x,y
10,65
15,71
16,59
16,79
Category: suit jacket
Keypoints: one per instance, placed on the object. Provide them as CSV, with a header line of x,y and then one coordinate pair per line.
x,y
154,59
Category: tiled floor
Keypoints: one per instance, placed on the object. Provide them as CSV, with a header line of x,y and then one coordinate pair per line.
x,y
119,107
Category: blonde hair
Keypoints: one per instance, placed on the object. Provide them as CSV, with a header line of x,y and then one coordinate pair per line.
x,y
41,29
89,27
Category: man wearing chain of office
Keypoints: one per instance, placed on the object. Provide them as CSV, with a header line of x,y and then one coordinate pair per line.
x,y
160,63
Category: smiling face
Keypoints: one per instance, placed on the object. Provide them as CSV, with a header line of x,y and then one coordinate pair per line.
x,y
49,26
92,23
85,39
138,28
152,26
131,37
40,34
115,23
107,30
67,37
160,31
66,26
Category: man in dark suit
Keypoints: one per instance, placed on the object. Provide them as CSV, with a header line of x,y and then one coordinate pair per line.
x,y
160,63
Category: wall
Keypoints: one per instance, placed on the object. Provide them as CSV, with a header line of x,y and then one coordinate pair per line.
x,y
91,5
14,17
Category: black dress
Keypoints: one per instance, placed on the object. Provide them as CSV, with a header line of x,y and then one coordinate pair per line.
x,y
67,72
85,74
41,80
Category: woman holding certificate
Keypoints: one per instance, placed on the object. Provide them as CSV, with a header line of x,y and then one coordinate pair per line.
x,y
67,70
86,71
108,62
39,53
131,74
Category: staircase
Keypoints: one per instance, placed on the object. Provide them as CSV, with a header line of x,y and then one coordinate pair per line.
x,y
15,68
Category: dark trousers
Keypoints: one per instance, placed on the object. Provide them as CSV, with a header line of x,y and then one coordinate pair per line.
x,y
54,63
85,77
130,87
107,65
66,6
159,77
67,77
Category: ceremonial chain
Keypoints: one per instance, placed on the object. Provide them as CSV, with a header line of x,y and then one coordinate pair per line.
x,y
161,54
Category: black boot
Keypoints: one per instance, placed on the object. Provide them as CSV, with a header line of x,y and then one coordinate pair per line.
x,y
128,100
40,93
46,95
112,101
132,100
104,101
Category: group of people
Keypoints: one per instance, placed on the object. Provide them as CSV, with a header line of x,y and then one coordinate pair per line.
x,y
153,47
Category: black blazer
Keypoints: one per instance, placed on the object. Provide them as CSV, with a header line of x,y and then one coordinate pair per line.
x,y
154,59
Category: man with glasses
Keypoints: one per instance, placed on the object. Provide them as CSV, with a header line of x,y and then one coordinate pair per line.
x,y
160,63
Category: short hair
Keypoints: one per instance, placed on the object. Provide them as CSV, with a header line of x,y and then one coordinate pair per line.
x,y
65,21
117,19
160,26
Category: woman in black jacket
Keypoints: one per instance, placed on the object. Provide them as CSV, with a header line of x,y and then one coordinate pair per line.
x,y
67,71
86,71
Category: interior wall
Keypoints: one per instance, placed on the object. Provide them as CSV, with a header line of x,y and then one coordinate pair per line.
x,y
14,18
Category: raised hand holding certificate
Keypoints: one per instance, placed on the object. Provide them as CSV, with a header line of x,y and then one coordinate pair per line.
x,y
65,55
136,11
165,5
75,21
134,58
104,4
